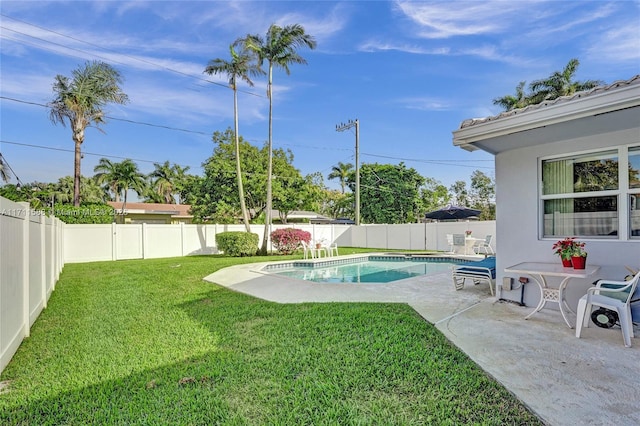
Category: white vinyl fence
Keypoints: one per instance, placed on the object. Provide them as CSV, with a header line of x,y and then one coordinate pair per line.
x,y
89,243
31,259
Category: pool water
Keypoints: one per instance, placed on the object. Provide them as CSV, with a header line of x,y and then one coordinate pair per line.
x,y
368,272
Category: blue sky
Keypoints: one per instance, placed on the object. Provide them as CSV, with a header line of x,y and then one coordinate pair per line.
x,y
410,72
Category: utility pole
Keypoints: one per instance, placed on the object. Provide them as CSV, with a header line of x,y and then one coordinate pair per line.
x,y
341,128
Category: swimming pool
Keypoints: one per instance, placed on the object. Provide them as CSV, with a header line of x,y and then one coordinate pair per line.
x,y
365,270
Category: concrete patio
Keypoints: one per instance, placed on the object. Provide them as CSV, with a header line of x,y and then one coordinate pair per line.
x,y
594,380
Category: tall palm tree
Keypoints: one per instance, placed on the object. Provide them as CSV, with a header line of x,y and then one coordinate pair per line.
x,y
120,177
81,101
4,170
181,181
129,177
509,102
107,174
341,172
278,48
560,83
242,65
165,180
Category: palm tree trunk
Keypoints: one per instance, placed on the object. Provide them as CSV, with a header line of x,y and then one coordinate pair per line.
x,y
267,217
243,205
76,172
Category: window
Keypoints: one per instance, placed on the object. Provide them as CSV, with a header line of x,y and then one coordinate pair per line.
x,y
587,194
634,191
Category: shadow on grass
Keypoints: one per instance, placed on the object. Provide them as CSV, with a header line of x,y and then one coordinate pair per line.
x,y
333,363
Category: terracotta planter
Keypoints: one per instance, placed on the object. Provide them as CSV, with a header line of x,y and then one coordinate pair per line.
x,y
318,245
566,263
579,262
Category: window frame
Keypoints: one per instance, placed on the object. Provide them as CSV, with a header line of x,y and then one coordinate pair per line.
x,y
623,193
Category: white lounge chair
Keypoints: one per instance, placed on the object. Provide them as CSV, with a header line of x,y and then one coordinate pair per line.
x,y
480,271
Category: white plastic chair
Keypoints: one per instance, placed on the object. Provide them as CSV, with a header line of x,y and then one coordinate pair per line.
x,y
484,245
332,248
308,251
450,242
459,241
614,295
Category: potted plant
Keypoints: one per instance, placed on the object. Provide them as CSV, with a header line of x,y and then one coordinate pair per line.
x,y
578,256
564,248
467,233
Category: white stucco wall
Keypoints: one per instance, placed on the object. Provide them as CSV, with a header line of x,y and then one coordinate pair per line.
x,y
517,216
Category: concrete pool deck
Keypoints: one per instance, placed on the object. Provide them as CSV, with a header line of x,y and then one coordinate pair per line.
x,y
594,380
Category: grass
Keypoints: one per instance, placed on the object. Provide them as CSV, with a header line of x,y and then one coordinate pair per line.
x,y
149,342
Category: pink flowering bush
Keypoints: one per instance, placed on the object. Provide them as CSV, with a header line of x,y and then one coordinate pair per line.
x,y
287,240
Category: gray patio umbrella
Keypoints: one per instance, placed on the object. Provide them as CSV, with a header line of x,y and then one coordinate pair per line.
x,y
452,213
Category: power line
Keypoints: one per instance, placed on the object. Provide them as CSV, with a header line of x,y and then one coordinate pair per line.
x,y
116,118
416,160
3,160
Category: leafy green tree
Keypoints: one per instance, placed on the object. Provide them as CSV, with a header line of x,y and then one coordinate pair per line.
x,y
433,195
341,172
388,193
217,191
189,188
12,192
483,195
460,193
242,65
279,49
91,192
81,101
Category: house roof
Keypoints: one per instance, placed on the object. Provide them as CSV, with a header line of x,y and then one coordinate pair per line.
x,y
174,210
549,121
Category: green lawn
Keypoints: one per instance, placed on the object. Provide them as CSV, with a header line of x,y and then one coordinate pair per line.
x,y
149,342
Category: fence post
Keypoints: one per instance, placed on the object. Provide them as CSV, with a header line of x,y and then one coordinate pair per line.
x,y
144,240
114,241
44,279
182,239
25,269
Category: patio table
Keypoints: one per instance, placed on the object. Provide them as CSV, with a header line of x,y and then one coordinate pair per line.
x,y
539,271
469,243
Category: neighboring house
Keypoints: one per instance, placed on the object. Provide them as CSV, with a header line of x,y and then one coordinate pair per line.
x,y
151,212
296,216
301,216
567,167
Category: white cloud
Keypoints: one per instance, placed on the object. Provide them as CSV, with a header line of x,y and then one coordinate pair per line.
x,y
619,44
375,46
425,104
449,19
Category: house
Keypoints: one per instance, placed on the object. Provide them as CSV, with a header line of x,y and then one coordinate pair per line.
x,y
151,212
567,167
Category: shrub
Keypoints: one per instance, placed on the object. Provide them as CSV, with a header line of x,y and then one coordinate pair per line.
x,y
86,213
287,240
237,243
